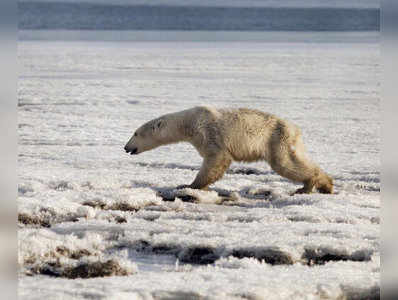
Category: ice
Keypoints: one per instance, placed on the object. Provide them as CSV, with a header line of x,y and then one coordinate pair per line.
x,y
84,204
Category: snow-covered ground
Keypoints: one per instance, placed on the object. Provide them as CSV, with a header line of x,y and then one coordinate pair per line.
x,y
86,208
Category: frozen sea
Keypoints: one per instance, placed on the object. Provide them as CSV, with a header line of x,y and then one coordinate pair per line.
x,y
83,201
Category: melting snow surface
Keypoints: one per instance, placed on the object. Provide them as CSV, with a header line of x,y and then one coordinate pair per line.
x,y
116,225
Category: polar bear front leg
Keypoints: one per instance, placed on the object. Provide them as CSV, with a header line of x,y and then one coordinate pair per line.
x,y
213,168
307,188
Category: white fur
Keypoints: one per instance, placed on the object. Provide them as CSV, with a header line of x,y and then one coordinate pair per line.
x,y
225,135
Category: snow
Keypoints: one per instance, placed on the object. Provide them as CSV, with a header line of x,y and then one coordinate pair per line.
x,y
82,199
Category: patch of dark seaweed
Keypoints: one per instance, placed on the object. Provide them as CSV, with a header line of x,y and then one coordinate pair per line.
x,y
371,293
120,220
95,269
198,255
33,220
74,254
53,266
315,256
95,203
270,255
45,218
122,206
203,255
83,270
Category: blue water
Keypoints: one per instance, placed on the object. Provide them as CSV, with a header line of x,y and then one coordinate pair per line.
x,y
84,16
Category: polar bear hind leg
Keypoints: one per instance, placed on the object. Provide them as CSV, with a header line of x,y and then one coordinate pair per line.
x,y
289,160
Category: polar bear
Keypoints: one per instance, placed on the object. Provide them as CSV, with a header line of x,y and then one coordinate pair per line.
x,y
225,135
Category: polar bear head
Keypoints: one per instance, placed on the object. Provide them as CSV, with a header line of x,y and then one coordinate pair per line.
x,y
147,137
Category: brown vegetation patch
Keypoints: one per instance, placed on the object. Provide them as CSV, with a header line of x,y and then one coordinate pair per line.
x,y
46,218
321,256
202,255
271,256
199,255
371,293
120,220
83,270
33,220
57,253
96,203
76,254
122,205
95,269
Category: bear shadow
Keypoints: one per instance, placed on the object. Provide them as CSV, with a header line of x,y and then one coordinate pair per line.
x,y
232,198
262,197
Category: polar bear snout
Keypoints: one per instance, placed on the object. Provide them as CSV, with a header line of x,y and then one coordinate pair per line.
x,y
131,151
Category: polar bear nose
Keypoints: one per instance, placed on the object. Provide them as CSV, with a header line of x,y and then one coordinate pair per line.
x,y
132,151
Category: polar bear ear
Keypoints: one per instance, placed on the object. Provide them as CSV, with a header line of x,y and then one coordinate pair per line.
x,y
159,124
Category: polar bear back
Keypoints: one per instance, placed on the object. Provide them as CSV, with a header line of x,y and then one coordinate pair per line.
x,y
246,134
